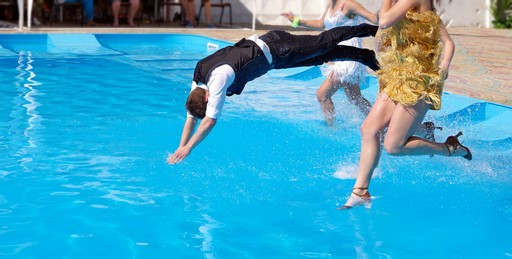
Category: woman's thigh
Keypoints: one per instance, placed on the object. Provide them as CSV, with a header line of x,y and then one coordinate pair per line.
x,y
404,123
379,116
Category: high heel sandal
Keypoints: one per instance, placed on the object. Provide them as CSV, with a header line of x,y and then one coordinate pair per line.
x,y
429,128
357,199
453,142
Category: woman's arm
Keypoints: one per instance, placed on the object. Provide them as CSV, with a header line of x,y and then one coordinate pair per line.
x,y
355,8
448,51
391,13
319,23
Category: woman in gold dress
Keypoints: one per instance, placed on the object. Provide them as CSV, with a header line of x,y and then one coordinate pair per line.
x,y
415,52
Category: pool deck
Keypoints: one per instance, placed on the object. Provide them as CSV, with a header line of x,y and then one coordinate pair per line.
x,y
480,67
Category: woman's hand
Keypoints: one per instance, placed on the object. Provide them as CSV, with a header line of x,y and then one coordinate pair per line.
x,y
289,16
443,71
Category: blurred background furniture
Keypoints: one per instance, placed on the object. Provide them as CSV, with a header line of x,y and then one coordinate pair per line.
x,y
167,4
124,11
221,4
7,9
74,11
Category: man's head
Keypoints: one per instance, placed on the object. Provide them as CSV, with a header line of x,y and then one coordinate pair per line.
x,y
196,102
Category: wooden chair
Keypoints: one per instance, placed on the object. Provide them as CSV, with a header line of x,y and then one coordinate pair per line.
x,y
221,5
62,6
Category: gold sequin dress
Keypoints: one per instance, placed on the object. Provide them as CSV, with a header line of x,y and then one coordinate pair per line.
x,y
409,59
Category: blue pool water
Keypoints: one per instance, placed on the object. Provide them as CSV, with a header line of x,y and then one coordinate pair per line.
x,y
87,121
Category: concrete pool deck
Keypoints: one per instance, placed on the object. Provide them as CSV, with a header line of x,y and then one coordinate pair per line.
x,y
480,68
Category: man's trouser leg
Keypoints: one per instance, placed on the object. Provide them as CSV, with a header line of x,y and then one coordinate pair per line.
x,y
288,49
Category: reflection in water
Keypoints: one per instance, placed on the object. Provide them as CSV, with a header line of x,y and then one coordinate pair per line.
x,y
25,84
208,224
367,239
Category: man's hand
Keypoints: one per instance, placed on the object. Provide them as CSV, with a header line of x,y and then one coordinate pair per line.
x,y
187,142
178,156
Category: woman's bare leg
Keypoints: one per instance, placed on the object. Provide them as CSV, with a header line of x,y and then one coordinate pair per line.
x,y
353,92
191,11
401,122
330,86
324,93
404,123
134,6
208,12
376,121
116,7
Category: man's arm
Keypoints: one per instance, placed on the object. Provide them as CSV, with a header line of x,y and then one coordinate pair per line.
x,y
220,78
188,143
188,129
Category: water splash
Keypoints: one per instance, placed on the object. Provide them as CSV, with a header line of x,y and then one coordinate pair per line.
x,y
349,171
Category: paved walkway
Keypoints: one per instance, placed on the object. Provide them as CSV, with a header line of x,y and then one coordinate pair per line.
x,y
482,64
481,67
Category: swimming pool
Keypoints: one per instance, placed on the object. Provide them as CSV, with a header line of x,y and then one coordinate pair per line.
x,y
87,121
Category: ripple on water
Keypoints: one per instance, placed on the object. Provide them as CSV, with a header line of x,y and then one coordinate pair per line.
x,y
315,255
99,206
64,193
81,235
13,249
5,211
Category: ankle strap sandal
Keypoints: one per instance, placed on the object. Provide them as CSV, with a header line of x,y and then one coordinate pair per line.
x,y
357,199
453,145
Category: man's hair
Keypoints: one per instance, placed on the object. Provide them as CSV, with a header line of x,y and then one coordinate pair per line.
x,y
196,103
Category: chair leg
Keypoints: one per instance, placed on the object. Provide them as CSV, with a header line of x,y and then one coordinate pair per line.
x,y
61,14
230,16
221,15
82,20
52,15
199,14
182,12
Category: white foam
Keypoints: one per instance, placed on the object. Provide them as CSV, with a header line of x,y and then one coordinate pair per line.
x,y
350,172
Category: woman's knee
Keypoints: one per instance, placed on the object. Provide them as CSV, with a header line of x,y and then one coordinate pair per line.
x,y
392,147
327,89
321,95
367,129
